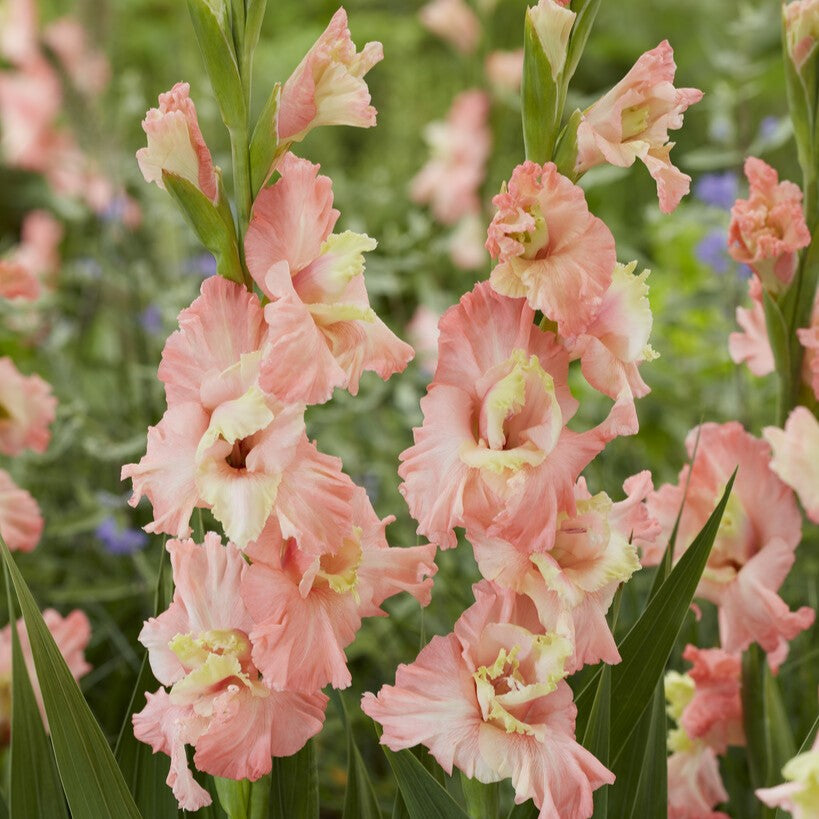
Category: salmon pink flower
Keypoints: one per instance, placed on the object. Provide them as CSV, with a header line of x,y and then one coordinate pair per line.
x,y
71,634
226,445
494,454
801,29
794,457
324,333
490,699
327,87
21,523
450,181
549,248
27,408
695,786
799,796
17,282
466,243
176,144
809,339
768,228
632,121
87,68
307,608
752,345
200,650
452,21
754,548
18,30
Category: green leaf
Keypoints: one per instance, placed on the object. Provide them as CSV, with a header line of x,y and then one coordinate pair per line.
x,y
566,151
243,799
482,800
294,791
527,810
596,738
34,788
92,782
264,144
647,646
253,26
540,98
216,45
209,225
423,796
779,337
586,11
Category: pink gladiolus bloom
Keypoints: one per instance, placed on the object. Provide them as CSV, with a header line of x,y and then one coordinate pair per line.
x,y
176,144
800,795
200,649
423,333
450,181
16,282
226,445
27,408
307,609
549,248
754,548
768,227
327,87
466,243
494,454
694,784
490,699
21,523
632,121
616,342
39,249
504,70
809,339
71,634
324,333
752,346
794,457
452,21
87,68
18,30
714,713
801,29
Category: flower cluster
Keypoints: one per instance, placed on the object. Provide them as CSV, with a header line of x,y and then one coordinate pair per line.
x,y
258,626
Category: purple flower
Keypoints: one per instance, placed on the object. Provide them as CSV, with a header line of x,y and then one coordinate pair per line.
x,y
717,189
203,265
120,541
768,128
712,250
151,319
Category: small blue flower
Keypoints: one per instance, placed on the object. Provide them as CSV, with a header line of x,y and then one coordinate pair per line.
x,y
768,127
717,189
151,319
120,541
712,250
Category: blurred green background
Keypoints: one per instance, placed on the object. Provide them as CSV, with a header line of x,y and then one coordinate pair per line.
x,y
98,338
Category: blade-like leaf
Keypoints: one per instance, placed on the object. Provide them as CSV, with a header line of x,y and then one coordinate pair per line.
x,y
482,800
596,738
647,646
92,782
586,11
264,145
294,785
34,787
527,810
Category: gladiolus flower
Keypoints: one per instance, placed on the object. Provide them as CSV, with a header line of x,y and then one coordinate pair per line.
x,y
504,70
490,699
752,345
16,282
801,29
176,144
327,87
27,408
694,784
452,21
307,609
809,339
794,457
768,227
450,181
88,68
553,21
494,454
632,121
549,248
200,649
754,548
21,523
324,333
800,794
423,333
466,243
71,634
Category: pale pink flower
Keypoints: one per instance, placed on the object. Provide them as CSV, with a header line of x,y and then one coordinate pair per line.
x,y
490,699
452,21
466,243
226,445
87,68
632,121
809,339
549,248
795,449
324,333
494,454
27,408
504,70
799,796
768,227
176,144
754,548
21,523
200,649
307,609
615,343
801,29
38,250
328,87
18,30
17,282
459,148
71,634
752,345
423,333
694,784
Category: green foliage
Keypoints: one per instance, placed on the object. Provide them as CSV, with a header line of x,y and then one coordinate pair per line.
x,y
294,792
